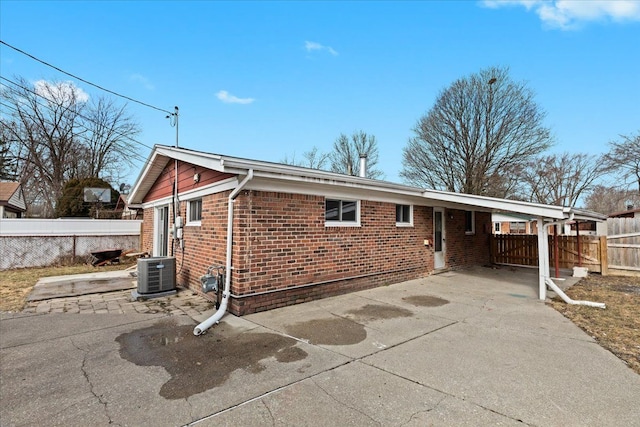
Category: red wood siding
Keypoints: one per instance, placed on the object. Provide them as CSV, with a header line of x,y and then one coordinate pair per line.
x,y
163,187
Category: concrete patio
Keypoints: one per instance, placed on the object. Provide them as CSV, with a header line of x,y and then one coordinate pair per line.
x,y
471,347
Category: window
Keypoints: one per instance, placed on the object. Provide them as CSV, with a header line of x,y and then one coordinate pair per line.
x,y
469,222
341,212
496,227
194,212
517,228
404,215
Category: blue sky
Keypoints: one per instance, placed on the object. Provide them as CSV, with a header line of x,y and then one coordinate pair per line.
x,y
265,80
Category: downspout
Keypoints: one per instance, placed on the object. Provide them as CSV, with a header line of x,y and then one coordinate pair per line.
x,y
202,327
568,300
550,283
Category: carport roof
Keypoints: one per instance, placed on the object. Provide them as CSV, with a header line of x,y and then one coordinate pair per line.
x,y
300,178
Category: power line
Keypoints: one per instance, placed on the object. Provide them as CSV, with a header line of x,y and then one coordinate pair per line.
x,y
135,155
83,80
118,145
76,113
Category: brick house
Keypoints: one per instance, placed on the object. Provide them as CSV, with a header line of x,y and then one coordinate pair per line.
x,y
513,224
629,213
300,234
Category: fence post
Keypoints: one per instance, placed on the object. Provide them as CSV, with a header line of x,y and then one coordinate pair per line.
x,y
604,257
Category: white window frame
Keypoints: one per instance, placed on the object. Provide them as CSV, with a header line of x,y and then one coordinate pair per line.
x,y
473,223
342,223
404,223
189,222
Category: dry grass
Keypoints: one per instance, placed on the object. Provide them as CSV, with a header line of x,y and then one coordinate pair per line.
x,y
616,328
16,284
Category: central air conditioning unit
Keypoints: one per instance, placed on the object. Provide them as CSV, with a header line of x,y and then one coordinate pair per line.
x,y
156,274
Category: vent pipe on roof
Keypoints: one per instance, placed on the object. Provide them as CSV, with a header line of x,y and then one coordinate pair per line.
x,y
363,165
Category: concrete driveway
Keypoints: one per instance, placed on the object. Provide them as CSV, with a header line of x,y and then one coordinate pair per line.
x,y
460,348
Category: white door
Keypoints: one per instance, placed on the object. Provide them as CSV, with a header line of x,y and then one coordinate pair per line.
x,y
439,245
161,240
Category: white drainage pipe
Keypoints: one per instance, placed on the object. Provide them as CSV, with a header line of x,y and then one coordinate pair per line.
x,y
226,293
568,300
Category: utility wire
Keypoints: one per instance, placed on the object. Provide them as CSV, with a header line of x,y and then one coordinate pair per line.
x,y
83,80
135,155
76,113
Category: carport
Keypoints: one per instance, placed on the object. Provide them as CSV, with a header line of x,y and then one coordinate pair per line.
x,y
546,215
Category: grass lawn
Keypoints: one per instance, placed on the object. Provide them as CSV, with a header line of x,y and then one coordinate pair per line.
x,y
16,284
616,328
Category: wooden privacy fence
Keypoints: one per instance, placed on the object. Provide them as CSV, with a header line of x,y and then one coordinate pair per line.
x,y
522,249
623,243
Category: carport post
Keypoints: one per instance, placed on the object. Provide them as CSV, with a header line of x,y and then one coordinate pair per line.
x,y
543,259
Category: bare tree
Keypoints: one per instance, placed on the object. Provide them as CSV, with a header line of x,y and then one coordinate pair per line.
x,y
345,157
313,159
55,135
561,179
607,200
107,133
7,162
482,129
624,156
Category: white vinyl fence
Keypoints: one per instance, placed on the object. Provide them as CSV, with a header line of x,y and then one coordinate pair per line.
x,y
43,242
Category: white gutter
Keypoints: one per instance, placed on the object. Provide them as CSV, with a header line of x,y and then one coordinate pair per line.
x,y
543,259
568,300
202,327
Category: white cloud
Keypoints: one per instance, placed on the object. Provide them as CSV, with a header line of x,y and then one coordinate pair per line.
x,y
139,78
227,98
60,91
311,46
569,14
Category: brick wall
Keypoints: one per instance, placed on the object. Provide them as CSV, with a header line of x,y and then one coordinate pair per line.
x,y
285,243
281,242
467,249
146,238
205,245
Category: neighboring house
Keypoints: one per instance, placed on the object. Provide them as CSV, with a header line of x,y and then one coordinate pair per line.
x,y
126,210
511,223
629,213
299,234
12,204
586,228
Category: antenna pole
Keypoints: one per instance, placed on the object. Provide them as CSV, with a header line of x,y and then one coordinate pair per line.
x,y
175,114
176,202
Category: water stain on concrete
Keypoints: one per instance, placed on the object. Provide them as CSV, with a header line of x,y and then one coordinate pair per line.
x,y
425,301
331,331
197,364
67,288
518,295
372,312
